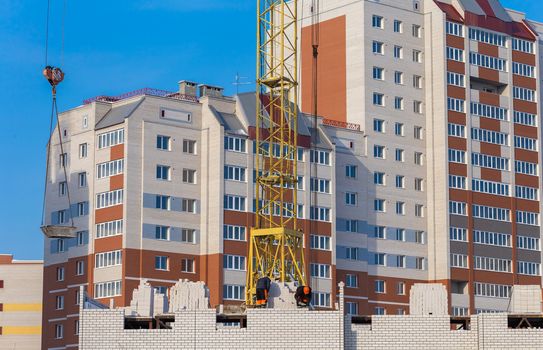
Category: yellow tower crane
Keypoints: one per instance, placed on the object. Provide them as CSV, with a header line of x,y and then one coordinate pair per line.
x,y
276,243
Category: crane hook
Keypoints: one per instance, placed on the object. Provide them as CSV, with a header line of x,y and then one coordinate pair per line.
x,y
54,75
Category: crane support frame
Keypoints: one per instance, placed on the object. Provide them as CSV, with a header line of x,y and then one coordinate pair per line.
x,y
276,243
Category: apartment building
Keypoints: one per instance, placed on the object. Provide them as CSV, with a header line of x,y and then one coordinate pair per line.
x,y
21,284
162,188
447,94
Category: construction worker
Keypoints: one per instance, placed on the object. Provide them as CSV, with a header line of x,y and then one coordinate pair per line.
x,y
262,289
303,296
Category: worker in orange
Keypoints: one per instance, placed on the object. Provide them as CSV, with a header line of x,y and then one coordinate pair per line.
x,y
262,290
303,296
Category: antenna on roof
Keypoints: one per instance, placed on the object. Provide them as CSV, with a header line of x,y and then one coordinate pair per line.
x,y
238,82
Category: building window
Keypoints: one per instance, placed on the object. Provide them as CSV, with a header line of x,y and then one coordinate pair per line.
x,y
378,47
378,73
189,176
81,238
234,233
59,302
400,181
351,225
418,158
85,122
457,182
163,202
351,308
163,172
379,205
350,198
455,54
76,327
235,144
458,234
379,151
62,188
454,29
83,150
351,253
161,263
319,157
320,214
162,233
59,331
378,99
109,199
419,210
236,203
378,310
189,146
400,234
420,237
60,274
456,130
417,56
400,208
350,171
380,286
380,259
420,263
379,232
107,259
61,245
459,261
107,289
82,179
108,169
399,129
321,299
63,159
110,228
399,155
417,81
417,107
188,205
188,235
379,125
379,178
456,79
351,281
233,292
163,142
419,184
398,52
417,31
400,261
81,208
234,262
398,103
377,22
320,185
187,265
398,26
398,77
80,268
234,173
111,138
319,242
487,37
320,271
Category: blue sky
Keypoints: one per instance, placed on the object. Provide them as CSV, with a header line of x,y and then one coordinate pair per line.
x,y
110,47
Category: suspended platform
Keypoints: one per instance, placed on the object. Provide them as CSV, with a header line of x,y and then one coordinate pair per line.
x,y
55,231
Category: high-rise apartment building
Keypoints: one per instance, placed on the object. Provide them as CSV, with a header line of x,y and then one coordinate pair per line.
x,y
162,188
20,303
426,168
447,95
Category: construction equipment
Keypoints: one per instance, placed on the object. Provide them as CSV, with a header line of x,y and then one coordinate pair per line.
x,y
276,243
55,76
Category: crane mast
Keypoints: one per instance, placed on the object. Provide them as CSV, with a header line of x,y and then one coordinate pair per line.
x,y
276,243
